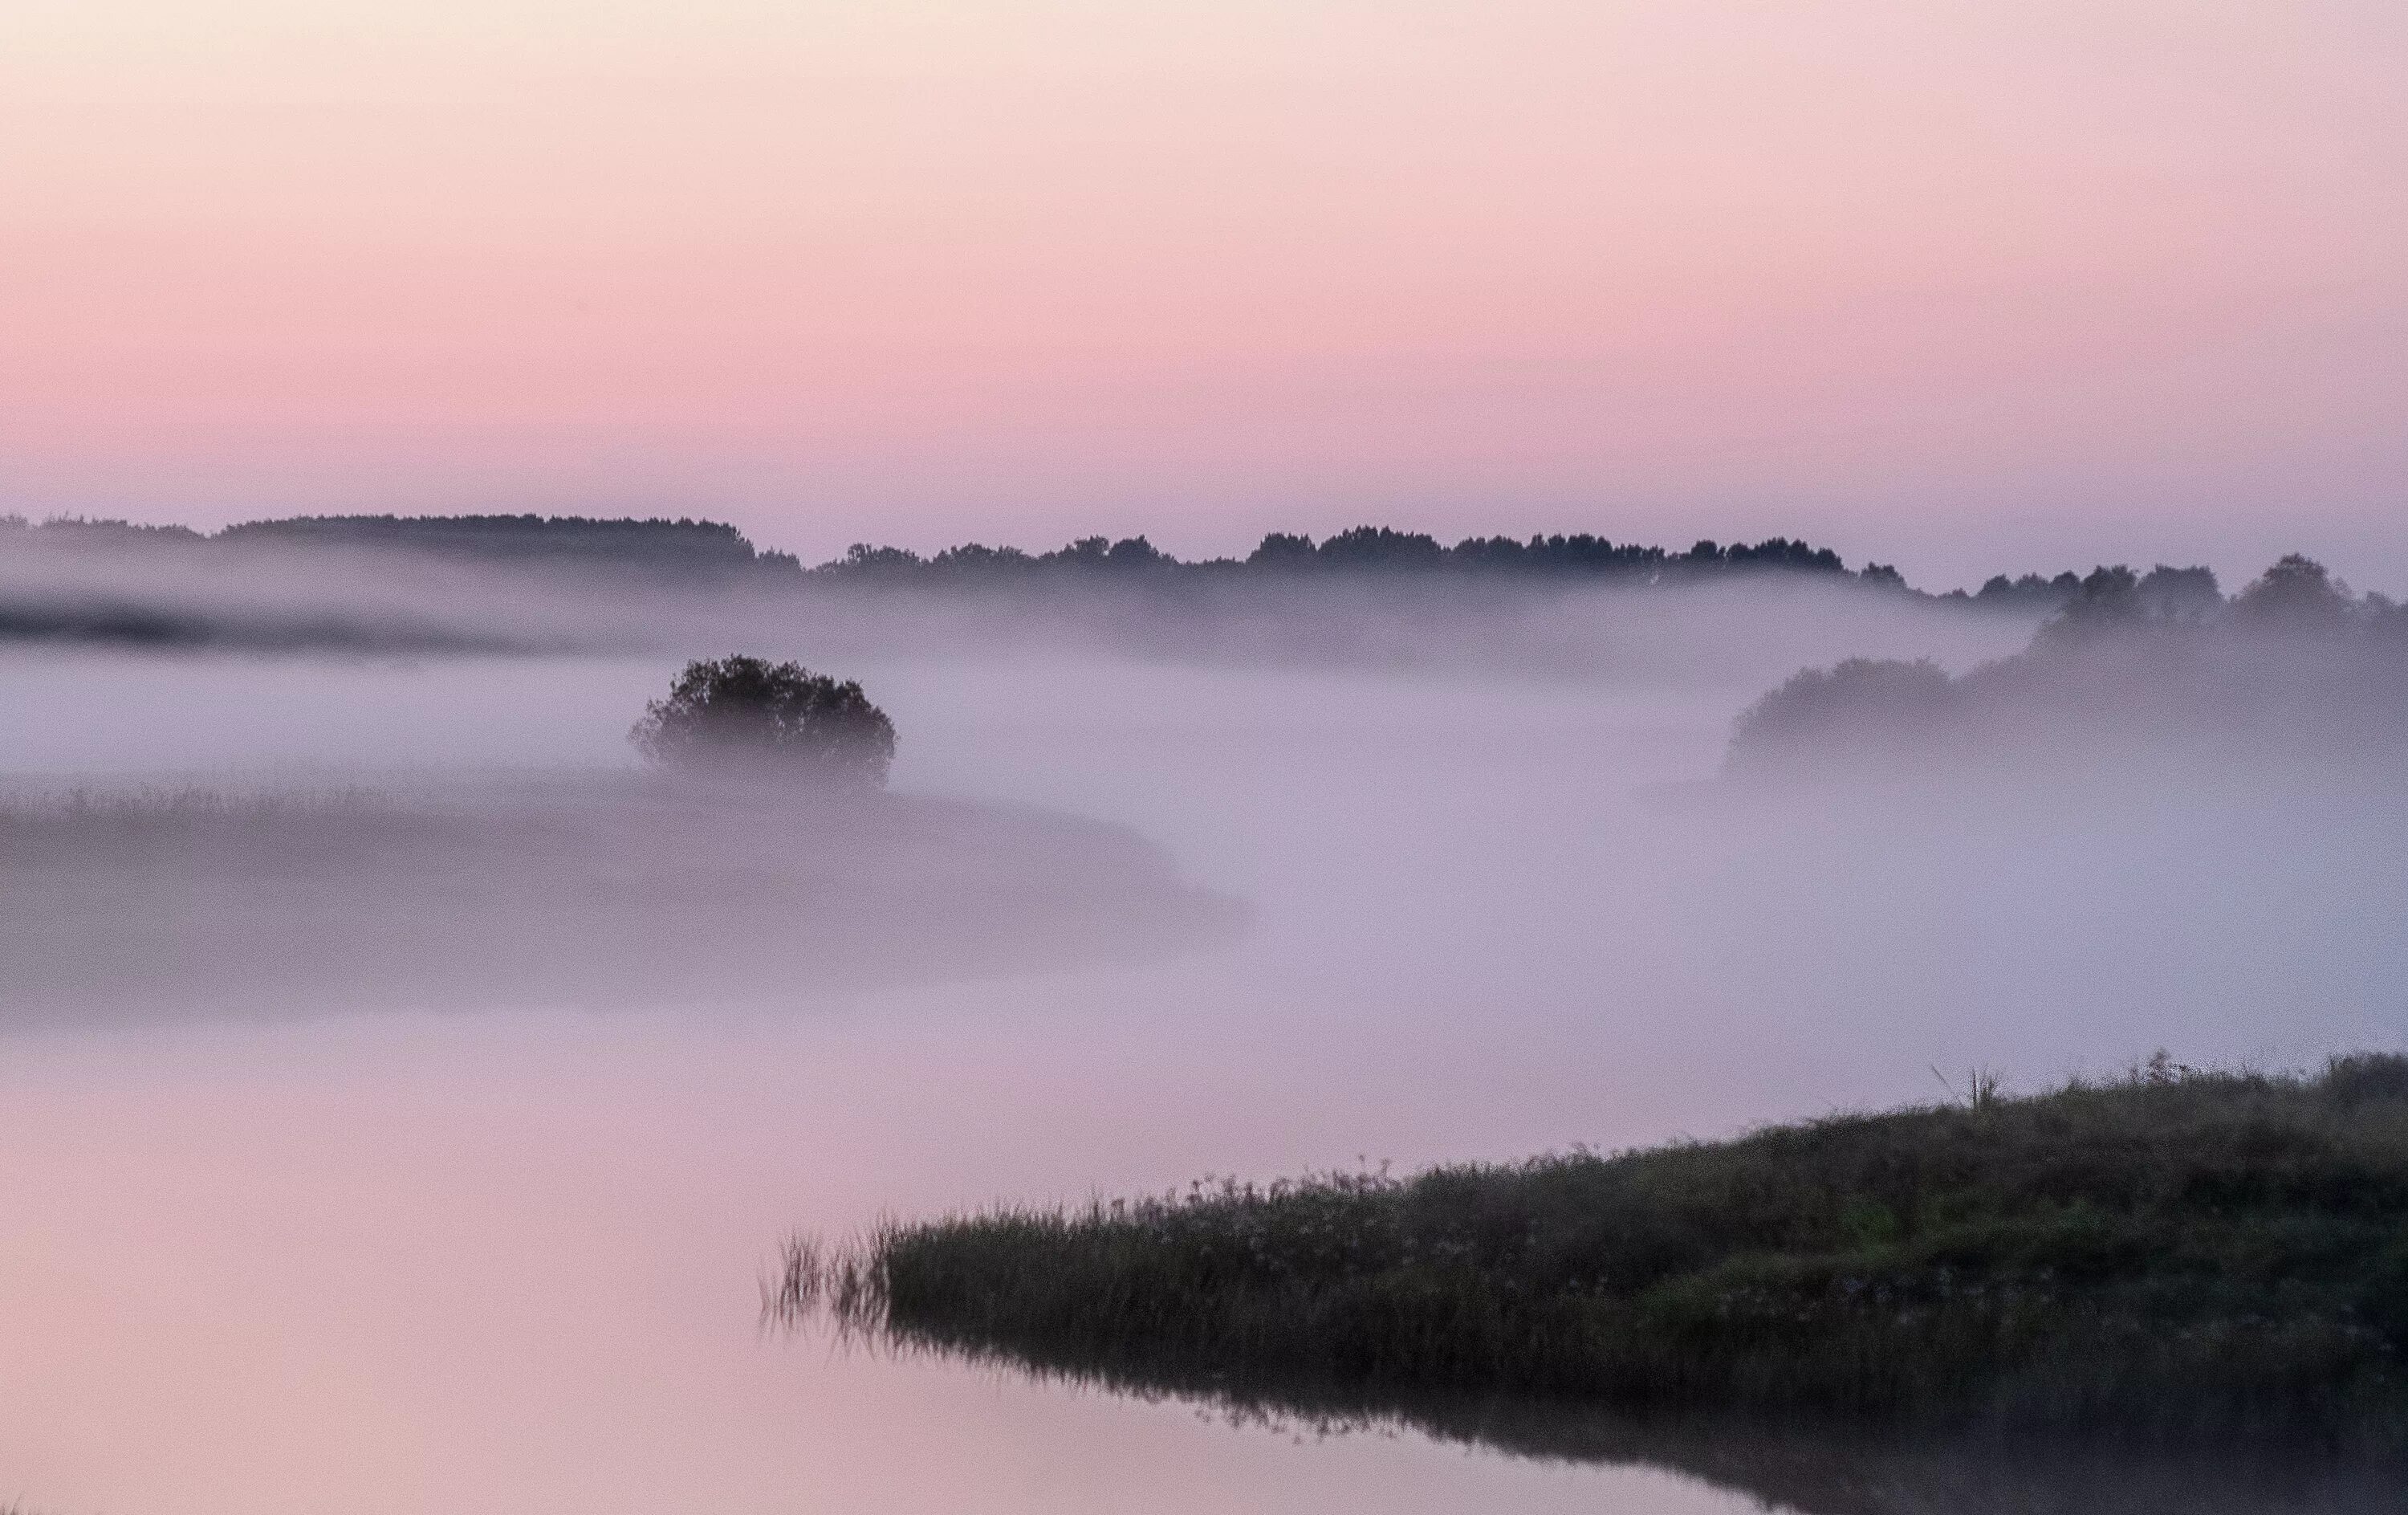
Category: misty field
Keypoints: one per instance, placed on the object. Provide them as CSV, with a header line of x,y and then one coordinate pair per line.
x,y
600,889
2177,1254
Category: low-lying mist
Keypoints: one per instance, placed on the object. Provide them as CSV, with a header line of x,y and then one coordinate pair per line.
x,y
600,889
2293,674
1537,871
290,597
1125,915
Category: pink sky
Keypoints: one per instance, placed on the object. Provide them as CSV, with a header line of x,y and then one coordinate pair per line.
x,y
1998,283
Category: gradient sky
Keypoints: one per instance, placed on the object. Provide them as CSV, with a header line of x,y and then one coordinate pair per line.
x,y
1965,286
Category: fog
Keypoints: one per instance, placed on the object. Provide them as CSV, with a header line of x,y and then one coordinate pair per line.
x,y
164,903
2293,685
443,1081
60,588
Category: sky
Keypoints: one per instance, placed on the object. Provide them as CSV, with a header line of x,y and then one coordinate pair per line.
x,y
1983,285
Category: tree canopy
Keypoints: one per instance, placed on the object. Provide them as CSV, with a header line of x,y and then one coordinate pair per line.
x,y
2292,663
750,715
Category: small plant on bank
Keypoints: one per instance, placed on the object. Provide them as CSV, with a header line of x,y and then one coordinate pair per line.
x,y
749,717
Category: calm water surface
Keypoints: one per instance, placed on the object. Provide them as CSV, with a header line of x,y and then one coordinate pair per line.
x,y
508,1260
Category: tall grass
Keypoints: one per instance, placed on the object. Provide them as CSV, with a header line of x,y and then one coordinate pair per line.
x,y
2180,1254
150,807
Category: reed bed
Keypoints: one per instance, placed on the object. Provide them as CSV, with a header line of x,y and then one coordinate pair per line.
x,y
2180,1254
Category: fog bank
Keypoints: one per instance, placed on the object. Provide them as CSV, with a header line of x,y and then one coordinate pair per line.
x,y
511,1256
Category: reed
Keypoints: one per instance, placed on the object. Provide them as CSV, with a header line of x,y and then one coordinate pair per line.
x,y
2178,1253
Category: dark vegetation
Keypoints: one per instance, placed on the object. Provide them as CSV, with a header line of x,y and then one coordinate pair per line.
x,y
709,551
682,549
749,717
1372,595
2294,665
1379,550
2181,1254
527,582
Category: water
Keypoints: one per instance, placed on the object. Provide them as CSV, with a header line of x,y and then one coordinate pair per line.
x,y
508,1260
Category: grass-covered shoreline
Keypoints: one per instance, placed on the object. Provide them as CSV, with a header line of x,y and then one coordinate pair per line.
x,y
2178,1254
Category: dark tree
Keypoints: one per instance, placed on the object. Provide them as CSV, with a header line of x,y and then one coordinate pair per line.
x,y
746,714
1862,708
1280,549
1380,547
861,558
2173,594
2107,601
2295,592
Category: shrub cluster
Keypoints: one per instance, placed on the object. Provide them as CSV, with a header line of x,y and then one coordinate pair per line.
x,y
749,717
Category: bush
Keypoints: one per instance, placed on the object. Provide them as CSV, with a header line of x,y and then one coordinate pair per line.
x,y
746,714
1863,710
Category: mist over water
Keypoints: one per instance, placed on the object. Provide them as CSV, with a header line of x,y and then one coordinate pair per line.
x,y
1277,906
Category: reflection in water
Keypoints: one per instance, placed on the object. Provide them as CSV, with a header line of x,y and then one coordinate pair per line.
x,y
1825,1470
1809,1467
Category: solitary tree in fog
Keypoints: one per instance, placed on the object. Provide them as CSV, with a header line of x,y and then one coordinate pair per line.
x,y
746,714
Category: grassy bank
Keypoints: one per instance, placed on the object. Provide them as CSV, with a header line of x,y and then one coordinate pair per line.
x,y
2178,1253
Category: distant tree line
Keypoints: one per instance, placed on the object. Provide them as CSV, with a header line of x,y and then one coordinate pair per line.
x,y
77,528
684,545
686,548
2294,661
2187,591
680,549
1361,550
702,548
